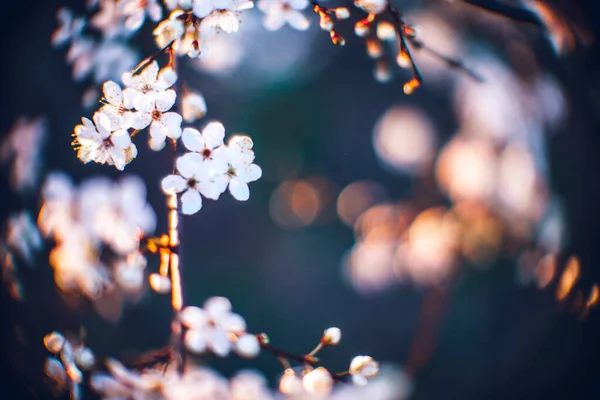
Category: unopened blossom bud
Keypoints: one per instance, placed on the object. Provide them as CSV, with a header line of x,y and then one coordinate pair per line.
x,y
336,38
374,48
325,22
84,357
318,382
382,72
371,6
362,27
361,368
168,31
342,13
54,342
160,284
331,336
247,346
289,383
193,106
403,59
386,31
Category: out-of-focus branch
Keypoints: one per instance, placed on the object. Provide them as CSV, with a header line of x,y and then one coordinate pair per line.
x,y
511,11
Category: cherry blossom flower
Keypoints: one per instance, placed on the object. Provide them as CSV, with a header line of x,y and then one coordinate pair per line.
x,y
169,30
361,368
136,10
150,84
23,237
129,272
191,175
371,6
22,147
69,27
117,214
163,124
280,12
109,20
220,15
249,385
210,327
194,383
111,60
241,170
82,55
118,105
96,142
193,106
318,382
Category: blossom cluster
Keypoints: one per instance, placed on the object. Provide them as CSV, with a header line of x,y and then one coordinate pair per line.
x,y
66,364
88,221
211,167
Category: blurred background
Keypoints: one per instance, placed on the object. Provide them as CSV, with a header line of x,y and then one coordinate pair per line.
x,y
433,229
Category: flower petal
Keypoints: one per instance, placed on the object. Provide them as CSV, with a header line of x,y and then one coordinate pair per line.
x,y
121,139
173,184
189,164
239,190
172,122
165,100
112,93
192,139
214,133
195,341
191,202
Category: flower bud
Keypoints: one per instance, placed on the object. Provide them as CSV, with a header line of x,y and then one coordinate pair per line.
x,y
54,342
318,382
362,28
289,383
160,284
247,346
361,368
331,336
342,13
325,22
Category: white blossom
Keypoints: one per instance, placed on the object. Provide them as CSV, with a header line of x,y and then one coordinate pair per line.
x,y
22,147
149,84
69,27
247,346
23,236
280,12
210,327
193,106
169,30
361,368
220,15
136,10
98,143
249,385
118,105
109,20
332,336
117,214
241,170
371,6
318,382
129,272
